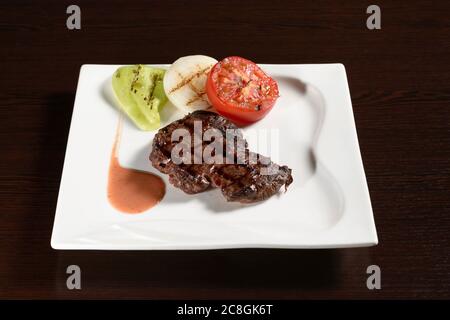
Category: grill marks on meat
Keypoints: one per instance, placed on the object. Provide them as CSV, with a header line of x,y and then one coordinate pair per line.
x,y
242,181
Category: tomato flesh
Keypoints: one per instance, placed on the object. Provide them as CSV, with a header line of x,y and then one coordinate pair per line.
x,y
239,90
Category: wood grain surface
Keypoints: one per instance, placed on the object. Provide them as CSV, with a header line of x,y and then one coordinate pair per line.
x,y
399,80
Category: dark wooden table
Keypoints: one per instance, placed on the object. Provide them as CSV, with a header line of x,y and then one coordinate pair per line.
x,y
399,80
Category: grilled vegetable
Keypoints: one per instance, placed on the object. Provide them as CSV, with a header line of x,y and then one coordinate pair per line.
x,y
240,90
184,82
140,92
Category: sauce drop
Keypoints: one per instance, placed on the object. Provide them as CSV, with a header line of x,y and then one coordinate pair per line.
x,y
129,190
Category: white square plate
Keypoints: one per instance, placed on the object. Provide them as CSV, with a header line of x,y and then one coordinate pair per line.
x,y
327,205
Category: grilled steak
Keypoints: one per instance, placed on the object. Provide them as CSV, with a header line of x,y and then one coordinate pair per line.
x,y
242,175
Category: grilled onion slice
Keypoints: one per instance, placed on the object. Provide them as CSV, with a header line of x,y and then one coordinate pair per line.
x,y
185,80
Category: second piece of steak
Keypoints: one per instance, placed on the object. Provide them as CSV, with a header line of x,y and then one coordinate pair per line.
x,y
242,175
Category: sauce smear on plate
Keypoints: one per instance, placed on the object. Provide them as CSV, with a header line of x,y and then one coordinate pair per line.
x,y
129,190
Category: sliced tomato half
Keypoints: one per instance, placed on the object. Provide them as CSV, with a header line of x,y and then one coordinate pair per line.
x,y
240,90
